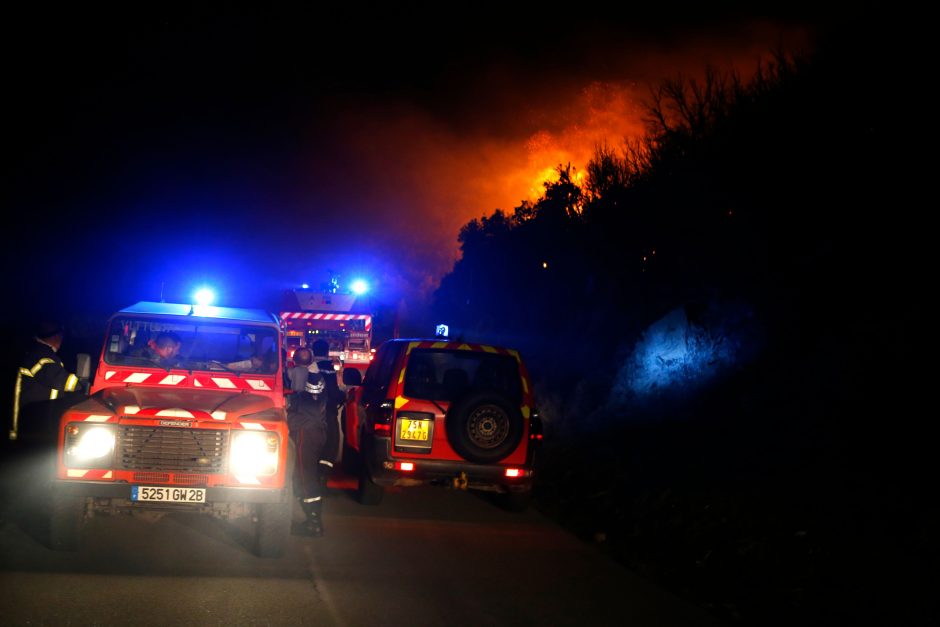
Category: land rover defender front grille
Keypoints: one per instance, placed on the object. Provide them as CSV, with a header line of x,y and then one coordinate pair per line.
x,y
167,449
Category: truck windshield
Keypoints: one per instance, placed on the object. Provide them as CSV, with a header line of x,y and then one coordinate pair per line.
x,y
192,345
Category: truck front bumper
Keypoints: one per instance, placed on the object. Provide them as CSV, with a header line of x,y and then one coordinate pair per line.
x,y
112,490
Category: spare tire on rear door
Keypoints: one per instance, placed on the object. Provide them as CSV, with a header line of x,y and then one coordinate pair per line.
x,y
484,426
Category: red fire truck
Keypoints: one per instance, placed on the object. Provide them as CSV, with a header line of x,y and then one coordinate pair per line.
x,y
202,429
339,319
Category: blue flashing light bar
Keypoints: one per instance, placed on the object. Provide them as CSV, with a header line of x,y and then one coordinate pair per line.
x,y
204,296
359,287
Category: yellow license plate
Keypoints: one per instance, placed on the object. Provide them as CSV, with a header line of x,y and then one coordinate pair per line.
x,y
414,429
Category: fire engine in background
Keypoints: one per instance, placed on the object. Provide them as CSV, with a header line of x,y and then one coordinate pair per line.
x,y
342,319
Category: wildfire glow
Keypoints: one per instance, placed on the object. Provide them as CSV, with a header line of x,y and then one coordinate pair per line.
x,y
443,167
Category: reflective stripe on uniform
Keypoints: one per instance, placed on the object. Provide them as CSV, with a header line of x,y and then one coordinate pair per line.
x,y
16,401
39,364
71,382
313,499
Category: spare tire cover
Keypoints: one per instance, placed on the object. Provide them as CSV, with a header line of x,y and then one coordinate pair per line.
x,y
484,427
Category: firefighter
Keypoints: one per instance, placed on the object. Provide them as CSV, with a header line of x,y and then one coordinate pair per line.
x,y
334,398
42,384
306,419
163,350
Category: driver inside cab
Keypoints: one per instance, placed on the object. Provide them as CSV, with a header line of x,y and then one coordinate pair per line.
x,y
162,350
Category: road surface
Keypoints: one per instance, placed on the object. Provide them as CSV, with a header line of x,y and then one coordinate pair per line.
x,y
425,556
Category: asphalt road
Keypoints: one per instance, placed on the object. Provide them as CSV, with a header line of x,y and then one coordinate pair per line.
x,y
425,556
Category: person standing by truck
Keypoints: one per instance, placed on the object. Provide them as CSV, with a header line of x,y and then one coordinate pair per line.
x,y
42,383
334,398
306,419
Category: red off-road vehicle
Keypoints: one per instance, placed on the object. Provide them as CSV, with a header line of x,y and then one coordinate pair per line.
x,y
443,412
205,431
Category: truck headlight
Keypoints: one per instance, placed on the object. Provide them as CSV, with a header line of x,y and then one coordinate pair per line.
x,y
89,446
254,453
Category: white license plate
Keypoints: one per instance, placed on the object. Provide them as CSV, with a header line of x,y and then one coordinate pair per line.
x,y
165,494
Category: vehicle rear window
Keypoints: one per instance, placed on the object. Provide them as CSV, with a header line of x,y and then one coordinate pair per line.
x,y
446,375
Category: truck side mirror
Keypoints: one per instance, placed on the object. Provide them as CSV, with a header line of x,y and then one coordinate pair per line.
x,y
352,377
83,366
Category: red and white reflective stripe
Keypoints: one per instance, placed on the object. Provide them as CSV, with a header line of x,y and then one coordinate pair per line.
x,y
97,418
261,384
127,376
175,412
226,383
130,410
253,426
219,415
297,315
247,479
90,474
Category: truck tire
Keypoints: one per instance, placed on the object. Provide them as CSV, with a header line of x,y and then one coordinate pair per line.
x,y
273,525
66,523
370,493
484,427
351,461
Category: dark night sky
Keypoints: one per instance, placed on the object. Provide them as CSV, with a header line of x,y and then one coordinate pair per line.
x,y
255,149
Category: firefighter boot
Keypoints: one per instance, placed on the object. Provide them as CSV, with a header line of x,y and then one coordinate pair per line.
x,y
313,510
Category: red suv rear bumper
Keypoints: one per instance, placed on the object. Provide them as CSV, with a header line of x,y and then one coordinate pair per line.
x,y
386,470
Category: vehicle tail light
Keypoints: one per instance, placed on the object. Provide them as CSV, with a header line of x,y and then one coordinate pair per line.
x,y
535,427
513,472
404,466
383,421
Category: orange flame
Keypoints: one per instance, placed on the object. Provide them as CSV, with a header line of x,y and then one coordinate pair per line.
x,y
602,114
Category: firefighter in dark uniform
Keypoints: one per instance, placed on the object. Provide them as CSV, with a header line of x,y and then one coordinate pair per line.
x,y
334,398
43,385
306,419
